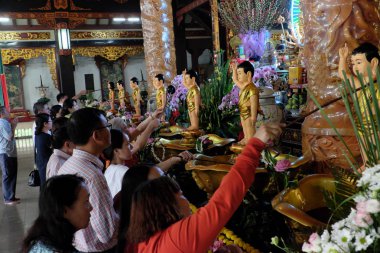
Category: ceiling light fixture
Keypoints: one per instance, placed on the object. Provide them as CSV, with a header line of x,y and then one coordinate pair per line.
x,y
3,19
119,19
133,19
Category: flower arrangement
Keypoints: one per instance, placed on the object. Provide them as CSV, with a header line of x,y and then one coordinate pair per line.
x,y
179,94
360,230
231,100
264,76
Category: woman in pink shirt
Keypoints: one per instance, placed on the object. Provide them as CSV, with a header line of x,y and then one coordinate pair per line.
x,y
161,220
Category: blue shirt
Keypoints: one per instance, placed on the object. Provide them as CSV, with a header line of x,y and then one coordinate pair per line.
x,y
5,136
40,247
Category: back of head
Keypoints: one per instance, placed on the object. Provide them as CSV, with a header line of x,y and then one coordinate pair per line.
x,y
82,124
370,51
59,137
60,96
51,227
154,208
116,142
59,122
40,120
135,80
112,85
38,107
68,104
54,110
160,77
134,177
247,66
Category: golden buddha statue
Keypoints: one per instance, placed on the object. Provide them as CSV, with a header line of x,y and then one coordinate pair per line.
x,y
193,98
248,98
158,83
136,96
121,94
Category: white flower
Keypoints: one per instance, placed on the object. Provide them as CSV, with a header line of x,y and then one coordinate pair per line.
x,y
307,247
362,241
373,206
331,248
325,237
359,198
343,238
338,225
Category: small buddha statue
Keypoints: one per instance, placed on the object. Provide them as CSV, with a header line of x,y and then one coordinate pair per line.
x,y
136,96
363,58
111,95
158,83
248,98
193,98
121,94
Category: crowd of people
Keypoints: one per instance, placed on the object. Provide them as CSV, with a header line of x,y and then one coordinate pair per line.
x,y
93,199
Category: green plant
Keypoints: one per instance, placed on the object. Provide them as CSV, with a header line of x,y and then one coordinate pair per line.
x,y
211,118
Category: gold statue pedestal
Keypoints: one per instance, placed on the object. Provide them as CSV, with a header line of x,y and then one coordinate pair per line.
x,y
302,204
237,148
180,132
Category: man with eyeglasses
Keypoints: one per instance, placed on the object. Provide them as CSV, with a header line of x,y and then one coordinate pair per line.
x,y
89,130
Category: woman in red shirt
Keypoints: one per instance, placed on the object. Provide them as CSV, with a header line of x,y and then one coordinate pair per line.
x,y
161,220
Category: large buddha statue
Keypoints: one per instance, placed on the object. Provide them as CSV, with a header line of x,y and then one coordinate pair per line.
x,y
328,26
193,98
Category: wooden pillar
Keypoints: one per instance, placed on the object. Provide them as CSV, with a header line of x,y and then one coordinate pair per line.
x,y
215,25
157,25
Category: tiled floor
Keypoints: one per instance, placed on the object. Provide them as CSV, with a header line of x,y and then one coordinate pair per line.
x,y
15,220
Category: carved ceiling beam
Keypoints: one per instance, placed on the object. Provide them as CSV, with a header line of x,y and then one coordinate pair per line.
x,y
10,55
111,53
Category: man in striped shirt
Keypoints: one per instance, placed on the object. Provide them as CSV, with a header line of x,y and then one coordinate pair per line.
x,y
89,131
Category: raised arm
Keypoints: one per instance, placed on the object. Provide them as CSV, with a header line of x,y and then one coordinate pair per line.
x,y
343,66
197,232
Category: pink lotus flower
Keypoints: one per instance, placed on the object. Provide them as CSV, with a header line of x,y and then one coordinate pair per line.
x,y
282,165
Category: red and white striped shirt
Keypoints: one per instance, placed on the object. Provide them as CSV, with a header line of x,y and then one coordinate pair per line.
x,y
101,233
56,160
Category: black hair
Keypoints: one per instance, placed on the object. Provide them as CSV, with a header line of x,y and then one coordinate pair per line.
x,y
40,120
38,107
112,85
133,178
247,66
370,51
59,122
160,77
192,73
51,227
170,89
60,96
121,82
116,142
68,104
135,80
83,123
54,110
59,137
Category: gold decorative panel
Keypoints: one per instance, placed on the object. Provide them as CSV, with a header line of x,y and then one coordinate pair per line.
x,y
105,35
9,55
6,36
111,53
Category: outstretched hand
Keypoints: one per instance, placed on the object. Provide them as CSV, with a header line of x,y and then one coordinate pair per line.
x,y
269,132
157,113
